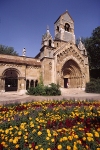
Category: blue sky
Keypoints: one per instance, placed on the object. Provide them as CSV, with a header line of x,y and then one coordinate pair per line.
x,y
23,22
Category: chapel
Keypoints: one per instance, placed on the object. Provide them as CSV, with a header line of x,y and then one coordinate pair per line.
x,y
59,61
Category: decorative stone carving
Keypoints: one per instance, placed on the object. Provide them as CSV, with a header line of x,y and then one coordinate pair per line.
x,y
69,52
50,65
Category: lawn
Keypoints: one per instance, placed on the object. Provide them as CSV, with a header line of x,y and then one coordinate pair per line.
x,y
50,125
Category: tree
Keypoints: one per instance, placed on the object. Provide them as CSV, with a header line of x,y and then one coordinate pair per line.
x,y
92,45
7,50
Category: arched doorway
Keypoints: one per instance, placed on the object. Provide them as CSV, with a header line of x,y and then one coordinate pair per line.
x,y
11,80
71,75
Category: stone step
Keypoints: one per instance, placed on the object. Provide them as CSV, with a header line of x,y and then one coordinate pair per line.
x,y
71,91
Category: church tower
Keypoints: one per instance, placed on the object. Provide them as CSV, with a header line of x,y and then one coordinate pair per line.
x,y
47,39
64,28
62,62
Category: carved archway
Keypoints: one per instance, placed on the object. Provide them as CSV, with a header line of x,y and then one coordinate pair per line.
x,y
71,74
11,79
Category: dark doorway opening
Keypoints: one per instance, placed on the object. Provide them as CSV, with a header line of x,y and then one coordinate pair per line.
x,y
65,82
27,84
11,80
11,84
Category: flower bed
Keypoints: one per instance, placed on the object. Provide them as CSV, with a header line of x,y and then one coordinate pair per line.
x,y
50,125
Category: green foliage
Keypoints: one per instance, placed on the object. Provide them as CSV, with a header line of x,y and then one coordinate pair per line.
x,y
41,79
7,50
38,90
93,86
95,73
51,90
92,45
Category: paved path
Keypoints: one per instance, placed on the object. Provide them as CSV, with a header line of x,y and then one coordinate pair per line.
x,y
15,97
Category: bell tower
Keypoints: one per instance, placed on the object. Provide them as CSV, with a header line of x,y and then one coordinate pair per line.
x,y
64,28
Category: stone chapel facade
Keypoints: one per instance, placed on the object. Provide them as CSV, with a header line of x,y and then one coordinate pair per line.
x,y
59,61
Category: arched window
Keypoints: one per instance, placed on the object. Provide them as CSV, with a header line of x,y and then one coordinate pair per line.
x,y
57,28
36,82
67,27
27,84
32,83
49,42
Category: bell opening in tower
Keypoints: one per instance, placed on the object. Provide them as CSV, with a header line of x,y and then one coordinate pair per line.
x,y
67,27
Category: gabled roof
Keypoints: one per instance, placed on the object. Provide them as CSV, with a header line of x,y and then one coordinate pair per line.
x,y
62,15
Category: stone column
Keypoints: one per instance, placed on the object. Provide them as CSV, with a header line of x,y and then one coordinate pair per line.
x,y
23,84
19,85
33,83
29,83
3,85
72,82
0,85
69,82
80,82
77,82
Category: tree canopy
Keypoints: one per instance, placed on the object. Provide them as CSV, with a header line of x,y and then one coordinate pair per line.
x,y
92,45
7,50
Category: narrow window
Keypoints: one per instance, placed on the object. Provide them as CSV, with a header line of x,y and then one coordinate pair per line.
x,y
49,42
67,26
32,83
36,83
27,84
57,28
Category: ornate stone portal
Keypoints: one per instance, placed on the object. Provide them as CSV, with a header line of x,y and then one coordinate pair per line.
x,y
59,61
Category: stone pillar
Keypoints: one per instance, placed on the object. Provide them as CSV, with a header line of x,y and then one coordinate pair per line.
x,y
33,83
80,82
74,83
0,85
62,82
70,84
19,85
29,83
22,85
3,85
77,82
